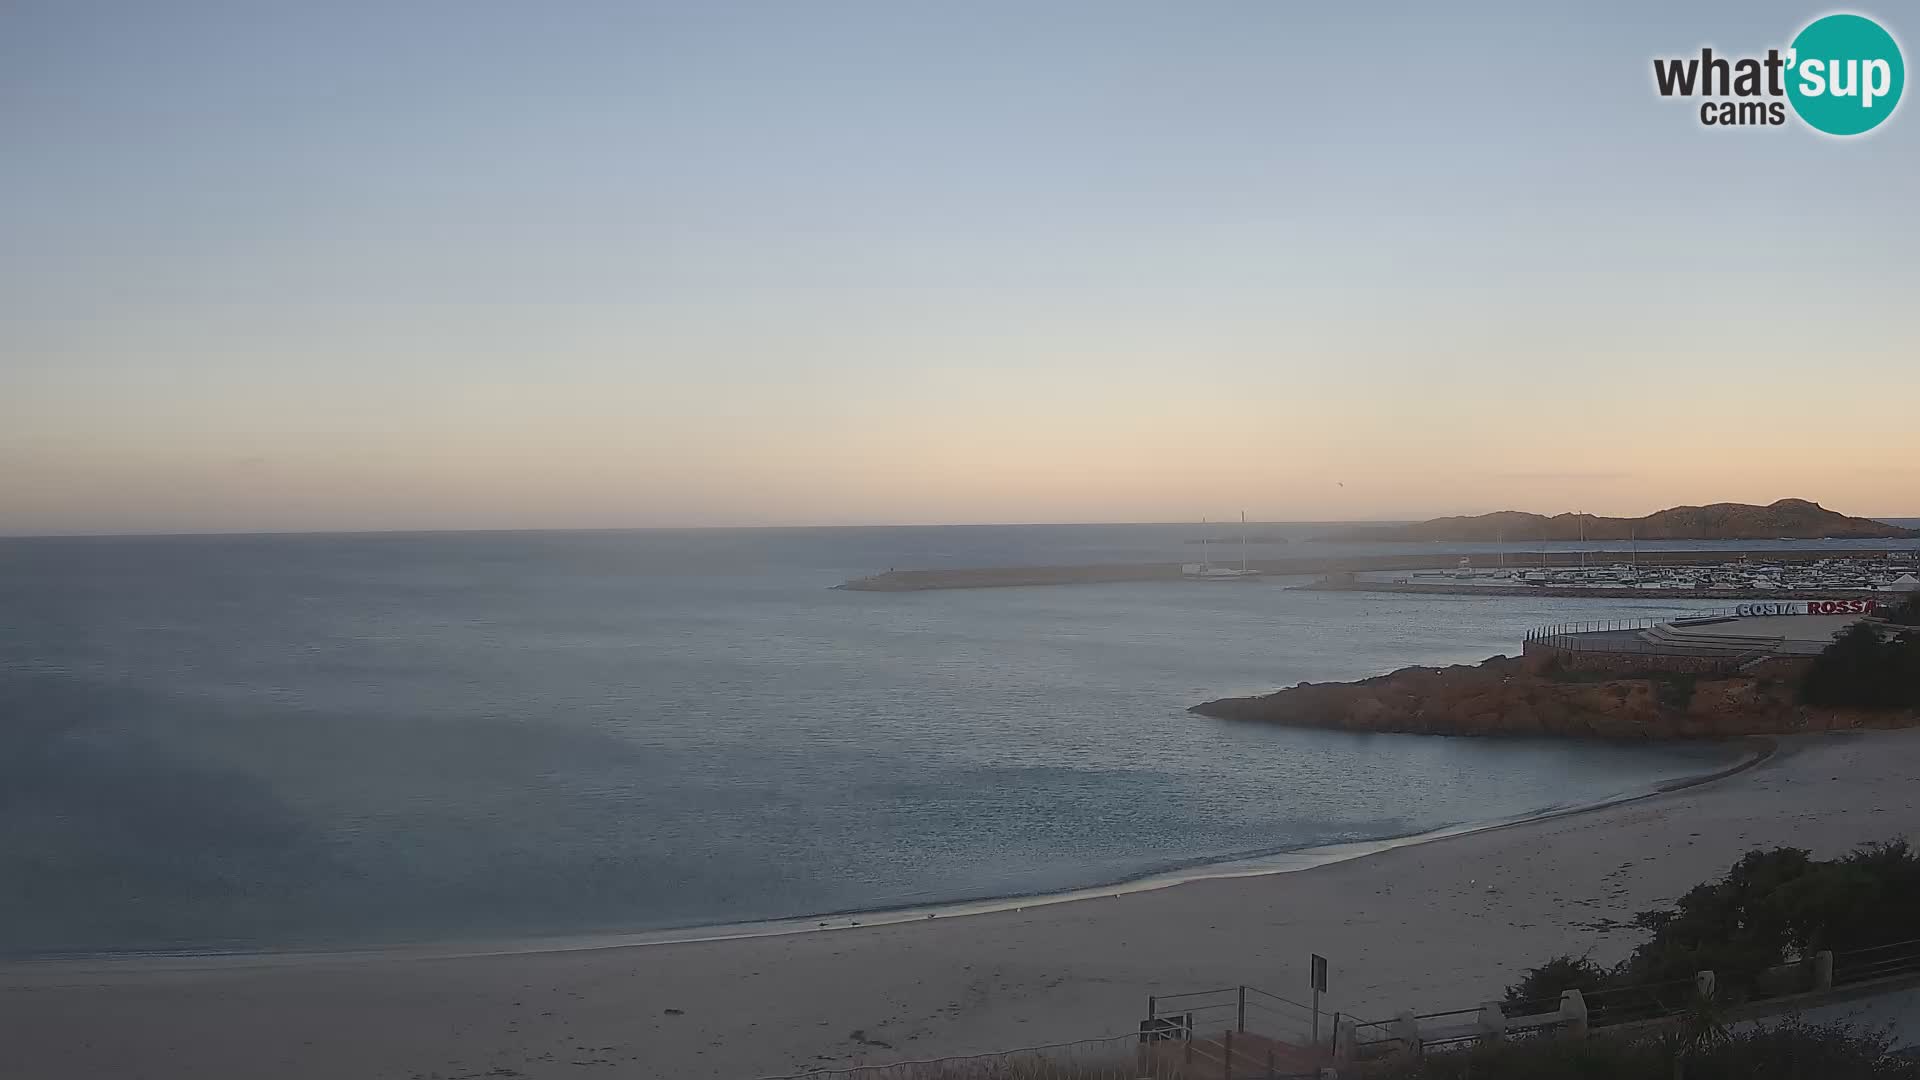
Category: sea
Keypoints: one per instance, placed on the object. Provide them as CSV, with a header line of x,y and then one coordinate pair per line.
x,y
271,742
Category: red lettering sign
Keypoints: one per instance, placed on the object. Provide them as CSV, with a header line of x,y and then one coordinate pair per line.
x,y
1840,607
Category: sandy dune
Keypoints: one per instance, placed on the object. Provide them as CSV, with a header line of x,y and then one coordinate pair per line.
x,y
1437,925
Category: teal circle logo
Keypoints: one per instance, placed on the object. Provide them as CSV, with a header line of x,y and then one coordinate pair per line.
x,y
1845,74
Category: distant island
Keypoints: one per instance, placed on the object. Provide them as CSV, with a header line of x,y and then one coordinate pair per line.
x,y
1788,519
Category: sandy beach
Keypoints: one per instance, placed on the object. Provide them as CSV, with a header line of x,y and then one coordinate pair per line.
x,y
1435,925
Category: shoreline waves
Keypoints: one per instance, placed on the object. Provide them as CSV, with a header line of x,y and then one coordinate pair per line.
x,y
1442,924
1278,862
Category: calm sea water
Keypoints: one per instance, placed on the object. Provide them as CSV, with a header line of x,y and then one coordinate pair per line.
x,y
220,742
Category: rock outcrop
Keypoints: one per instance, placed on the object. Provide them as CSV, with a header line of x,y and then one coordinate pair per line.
x,y
1508,696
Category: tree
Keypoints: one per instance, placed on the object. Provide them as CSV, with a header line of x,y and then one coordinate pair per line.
x,y
1735,927
1771,907
1791,1050
1906,612
1863,669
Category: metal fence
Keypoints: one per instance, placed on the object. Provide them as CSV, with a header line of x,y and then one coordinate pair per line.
x,y
1878,962
1554,633
1112,1057
1373,1038
1116,1057
1236,1032
1245,1033
1792,983
1244,1009
1626,637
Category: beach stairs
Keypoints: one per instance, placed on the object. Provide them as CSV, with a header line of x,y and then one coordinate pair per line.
x,y
1666,639
1234,1033
1233,1055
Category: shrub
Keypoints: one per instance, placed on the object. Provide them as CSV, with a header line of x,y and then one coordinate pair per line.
x,y
1864,670
1906,612
1541,986
1771,907
1674,690
1788,1051
1735,927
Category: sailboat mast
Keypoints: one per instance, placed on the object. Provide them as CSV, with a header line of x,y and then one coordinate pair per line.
x,y
1243,541
1203,545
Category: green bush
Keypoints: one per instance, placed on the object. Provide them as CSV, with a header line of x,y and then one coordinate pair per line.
x,y
1787,1051
1540,987
1864,670
1674,690
1735,927
1906,612
1772,906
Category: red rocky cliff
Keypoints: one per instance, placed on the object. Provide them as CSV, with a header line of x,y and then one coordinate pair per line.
x,y
1504,696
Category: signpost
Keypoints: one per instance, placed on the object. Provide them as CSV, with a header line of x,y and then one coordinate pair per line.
x,y
1167,1028
1319,987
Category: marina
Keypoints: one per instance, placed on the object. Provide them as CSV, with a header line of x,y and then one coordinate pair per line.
x,y
1890,572
1205,570
1786,572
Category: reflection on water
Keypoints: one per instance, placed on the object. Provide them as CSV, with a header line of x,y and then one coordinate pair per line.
x,y
238,742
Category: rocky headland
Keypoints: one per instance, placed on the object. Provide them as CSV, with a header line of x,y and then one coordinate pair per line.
x,y
1531,696
1788,519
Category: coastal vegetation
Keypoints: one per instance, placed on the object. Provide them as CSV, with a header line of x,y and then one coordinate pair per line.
x,y
1772,908
1794,519
1791,1050
1539,696
1868,677
1867,669
1905,613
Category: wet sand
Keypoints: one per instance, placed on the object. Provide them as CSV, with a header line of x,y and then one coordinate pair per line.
x,y
1436,925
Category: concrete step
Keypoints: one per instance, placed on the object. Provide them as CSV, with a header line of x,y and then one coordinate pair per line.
x,y
1667,639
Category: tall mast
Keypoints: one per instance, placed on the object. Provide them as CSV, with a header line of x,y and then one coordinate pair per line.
x,y
1203,544
1243,541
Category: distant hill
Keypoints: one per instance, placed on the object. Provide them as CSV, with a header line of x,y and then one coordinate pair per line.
x,y
1795,519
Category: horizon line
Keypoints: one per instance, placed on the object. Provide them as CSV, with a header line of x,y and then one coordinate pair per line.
x,y
1888,519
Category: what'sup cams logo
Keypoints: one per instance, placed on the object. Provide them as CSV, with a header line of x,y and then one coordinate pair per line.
x,y
1842,75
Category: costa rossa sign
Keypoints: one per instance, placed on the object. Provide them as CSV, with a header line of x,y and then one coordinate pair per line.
x,y
1807,607
1840,607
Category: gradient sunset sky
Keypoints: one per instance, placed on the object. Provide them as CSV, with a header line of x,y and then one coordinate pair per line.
x,y
422,265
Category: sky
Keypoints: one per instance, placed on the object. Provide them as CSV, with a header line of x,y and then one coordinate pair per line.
x,y
269,266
